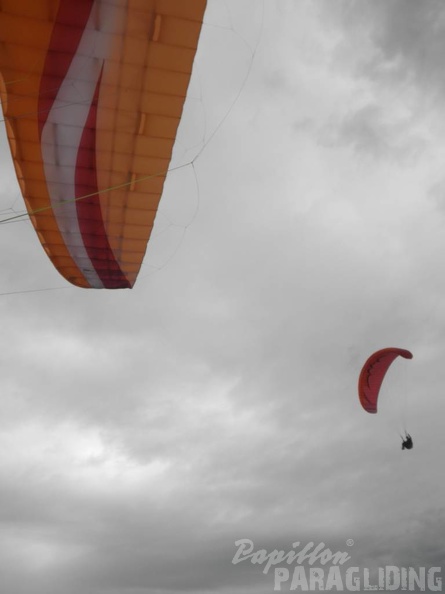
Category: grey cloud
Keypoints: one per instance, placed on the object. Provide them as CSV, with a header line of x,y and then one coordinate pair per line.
x,y
402,40
372,131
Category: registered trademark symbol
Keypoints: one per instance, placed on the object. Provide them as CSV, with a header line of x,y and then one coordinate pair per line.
x,y
350,542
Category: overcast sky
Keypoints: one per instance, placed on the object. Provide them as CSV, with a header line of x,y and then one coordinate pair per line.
x,y
143,432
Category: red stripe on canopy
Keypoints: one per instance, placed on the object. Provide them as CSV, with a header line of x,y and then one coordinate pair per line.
x,y
89,212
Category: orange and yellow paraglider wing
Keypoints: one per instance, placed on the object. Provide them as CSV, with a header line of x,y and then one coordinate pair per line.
x,y
92,103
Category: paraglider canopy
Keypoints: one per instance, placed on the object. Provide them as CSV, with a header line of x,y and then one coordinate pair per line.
x,y
92,97
373,374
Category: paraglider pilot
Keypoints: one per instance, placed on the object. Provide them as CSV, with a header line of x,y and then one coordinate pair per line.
x,y
407,442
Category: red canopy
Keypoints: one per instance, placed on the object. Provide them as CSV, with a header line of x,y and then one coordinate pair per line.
x,y
373,373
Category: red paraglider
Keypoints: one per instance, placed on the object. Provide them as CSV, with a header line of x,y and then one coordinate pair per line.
x,y
373,373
